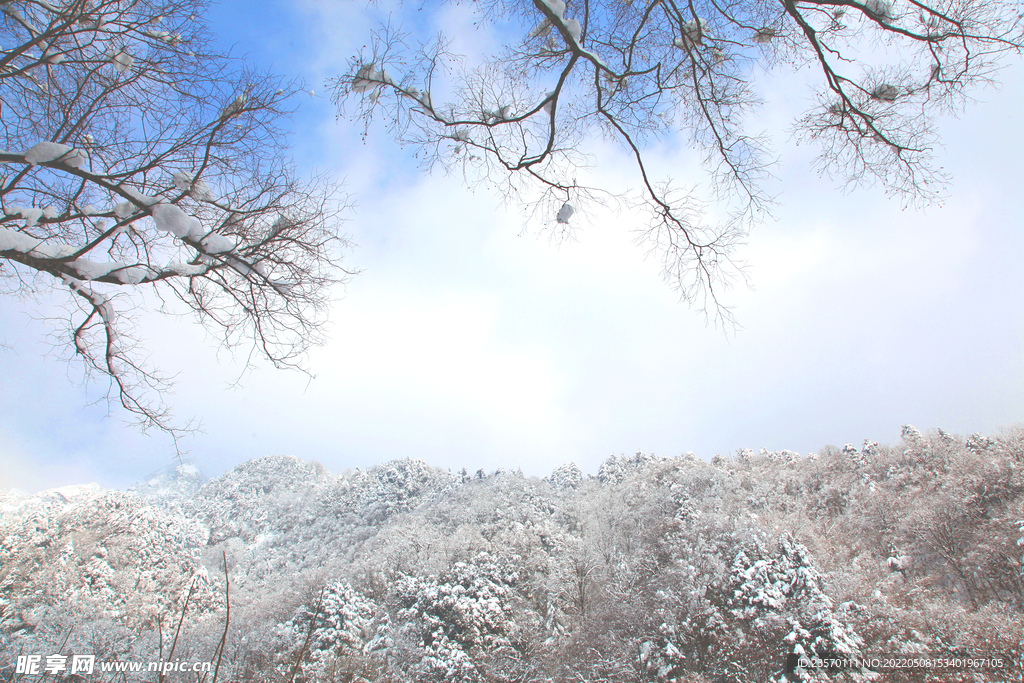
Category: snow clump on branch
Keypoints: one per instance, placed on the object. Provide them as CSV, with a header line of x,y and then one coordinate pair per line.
x,y
172,219
122,61
49,152
565,213
882,8
369,79
197,188
693,33
885,93
236,106
33,214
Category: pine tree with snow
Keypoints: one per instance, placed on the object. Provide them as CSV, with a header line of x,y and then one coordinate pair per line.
x,y
778,596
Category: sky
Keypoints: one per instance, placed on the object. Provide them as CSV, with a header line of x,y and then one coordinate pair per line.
x,y
469,342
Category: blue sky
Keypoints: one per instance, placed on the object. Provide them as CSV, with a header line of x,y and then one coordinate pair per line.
x,y
469,344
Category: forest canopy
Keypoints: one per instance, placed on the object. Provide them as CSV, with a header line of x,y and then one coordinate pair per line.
x,y
656,569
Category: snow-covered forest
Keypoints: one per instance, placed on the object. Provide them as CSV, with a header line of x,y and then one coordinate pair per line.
x,y
656,569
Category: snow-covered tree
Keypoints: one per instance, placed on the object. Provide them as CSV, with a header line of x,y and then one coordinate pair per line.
x,y
634,71
140,167
342,630
461,626
778,595
566,476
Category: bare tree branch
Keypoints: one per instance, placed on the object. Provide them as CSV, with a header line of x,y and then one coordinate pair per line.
x,y
136,159
635,70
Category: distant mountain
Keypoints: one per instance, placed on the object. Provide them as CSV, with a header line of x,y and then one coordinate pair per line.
x,y
656,569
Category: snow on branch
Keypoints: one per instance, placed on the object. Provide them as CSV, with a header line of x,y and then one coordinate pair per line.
x,y
52,152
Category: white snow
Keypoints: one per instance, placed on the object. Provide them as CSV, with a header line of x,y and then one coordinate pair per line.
x,y
201,191
164,36
367,78
18,16
899,563
197,188
549,101
125,209
69,493
283,287
241,266
90,270
885,92
541,29
48,152
31,214
574,28
236,106
182,180
185,269
693,33
172,219
139,198
557,7
12,240
882,8
122,61
216,243
132,275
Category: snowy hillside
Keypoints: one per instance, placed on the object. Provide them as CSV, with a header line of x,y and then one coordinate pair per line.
x,y
656,569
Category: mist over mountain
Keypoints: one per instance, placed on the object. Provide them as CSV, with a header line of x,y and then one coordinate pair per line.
x,y
656,569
